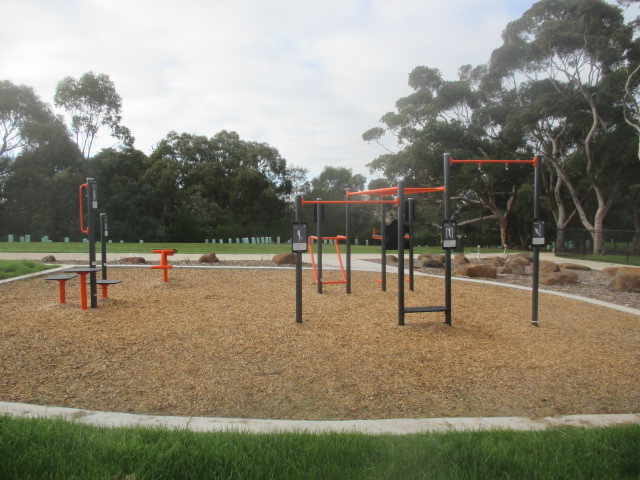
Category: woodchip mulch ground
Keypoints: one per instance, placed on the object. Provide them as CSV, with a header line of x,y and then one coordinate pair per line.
x,y
224,342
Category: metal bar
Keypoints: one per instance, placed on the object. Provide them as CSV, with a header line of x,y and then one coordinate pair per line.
x,y
531,162
319,209
341,202
298,218
537,176
103,244
447,252
412,212
400,253
383,250
92,200
348,235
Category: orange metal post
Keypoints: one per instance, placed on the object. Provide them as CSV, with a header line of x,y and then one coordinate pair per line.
x,y
163,262
83,289
63,291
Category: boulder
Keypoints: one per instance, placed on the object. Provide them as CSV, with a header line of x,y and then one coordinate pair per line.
x,y
460,270
514,268
210,257
481,271
438,257
424,256
610,271
288,258
49,259
134,260
558,278
391,259
497,262
460,258
627,279
574,266
519,260
431,263
525,256
547,266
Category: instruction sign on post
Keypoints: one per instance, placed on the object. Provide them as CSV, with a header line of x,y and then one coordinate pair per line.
x,y
449,234
299,237
538,232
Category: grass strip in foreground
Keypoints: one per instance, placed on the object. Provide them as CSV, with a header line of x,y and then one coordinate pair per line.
x,y
16,268
42,448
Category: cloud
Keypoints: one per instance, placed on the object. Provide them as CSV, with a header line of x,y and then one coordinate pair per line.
x,y
308,78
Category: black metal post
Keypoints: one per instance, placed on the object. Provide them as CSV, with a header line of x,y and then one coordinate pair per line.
x,y
383,248
320,213
298,265
447,252
104,234
348,235
411,204
537,177
400,253
92,200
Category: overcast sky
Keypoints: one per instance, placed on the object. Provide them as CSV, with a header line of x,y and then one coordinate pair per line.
x,y
306,77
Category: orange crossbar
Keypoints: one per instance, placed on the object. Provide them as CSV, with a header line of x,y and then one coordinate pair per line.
x,y
394,191
533,162
336,241
343,202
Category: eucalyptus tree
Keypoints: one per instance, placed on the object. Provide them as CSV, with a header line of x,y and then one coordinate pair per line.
x,y
92,103
559,60
447,116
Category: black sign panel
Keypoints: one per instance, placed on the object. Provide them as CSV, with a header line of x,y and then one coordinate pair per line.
x,y
449,234
299,237
538,232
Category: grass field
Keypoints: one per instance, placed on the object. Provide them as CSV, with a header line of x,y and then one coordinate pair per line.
x,y
39,448
16,268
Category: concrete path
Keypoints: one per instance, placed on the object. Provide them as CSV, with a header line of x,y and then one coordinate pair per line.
x,y
400,426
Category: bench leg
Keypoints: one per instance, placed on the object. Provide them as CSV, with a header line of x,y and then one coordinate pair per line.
x,y
63,291
104,290
83,290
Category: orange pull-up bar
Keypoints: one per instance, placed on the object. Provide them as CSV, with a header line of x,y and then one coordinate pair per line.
x,y
533,162
394,191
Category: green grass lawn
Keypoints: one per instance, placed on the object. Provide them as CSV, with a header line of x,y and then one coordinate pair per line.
x,y
16,268
39,449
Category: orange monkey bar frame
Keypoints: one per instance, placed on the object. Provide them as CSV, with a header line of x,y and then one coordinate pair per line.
x,y
336,241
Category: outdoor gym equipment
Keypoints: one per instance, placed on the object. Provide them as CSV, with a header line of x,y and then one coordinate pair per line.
x,y
91,190
538,227
163,262
62,280
299,242
336,241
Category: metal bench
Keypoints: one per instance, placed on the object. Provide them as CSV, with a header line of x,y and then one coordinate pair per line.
x,y
105,285
62,279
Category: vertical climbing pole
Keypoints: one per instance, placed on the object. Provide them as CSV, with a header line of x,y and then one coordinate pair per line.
x,y
383,248
92,200
411,210
298,253
537,178
319,214
400,252
104,233
447,252
348,235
